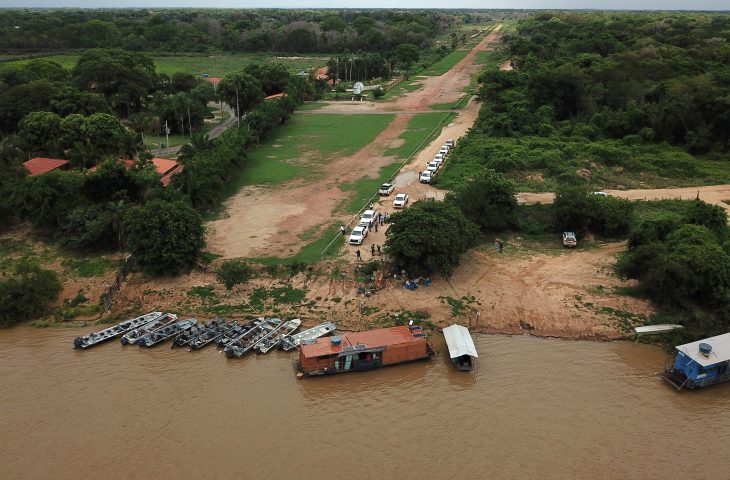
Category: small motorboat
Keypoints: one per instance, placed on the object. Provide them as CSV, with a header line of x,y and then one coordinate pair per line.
x,y
263,330
213,333
96,338
237,330
155,338
656,329
191,334
273,341
160,322
290,342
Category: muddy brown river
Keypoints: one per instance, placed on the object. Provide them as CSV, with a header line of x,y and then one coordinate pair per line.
x,y
534,408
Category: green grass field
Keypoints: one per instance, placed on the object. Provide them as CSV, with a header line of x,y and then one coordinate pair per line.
x,y
303,146
417,132
215,65
445,64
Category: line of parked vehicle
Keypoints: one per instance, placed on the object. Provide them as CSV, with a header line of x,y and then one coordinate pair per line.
x,y
369,217
432,167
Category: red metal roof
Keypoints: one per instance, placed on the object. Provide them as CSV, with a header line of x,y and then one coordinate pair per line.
x,y
381,337
214,80
40,165
164,165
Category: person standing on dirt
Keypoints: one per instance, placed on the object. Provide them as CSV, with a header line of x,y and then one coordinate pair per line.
x,y
372,250
380,252
342,230
500,245
376,225
357,255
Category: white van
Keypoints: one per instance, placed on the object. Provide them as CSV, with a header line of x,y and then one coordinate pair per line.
x,y
444,150
432,167
426,177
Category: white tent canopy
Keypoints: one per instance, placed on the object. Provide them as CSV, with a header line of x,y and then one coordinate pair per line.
x,y
459,341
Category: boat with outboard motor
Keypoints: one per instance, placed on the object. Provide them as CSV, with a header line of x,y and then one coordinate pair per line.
x,y
96,338
190,334
266,328
291,342
155,338
273,341
158,323
238,332
216,331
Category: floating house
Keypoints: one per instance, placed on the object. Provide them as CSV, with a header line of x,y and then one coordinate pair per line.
x,y
363,350
701,363
462,351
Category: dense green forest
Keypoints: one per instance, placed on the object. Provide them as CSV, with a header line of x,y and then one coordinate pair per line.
x,y
599,100
627,100
295,31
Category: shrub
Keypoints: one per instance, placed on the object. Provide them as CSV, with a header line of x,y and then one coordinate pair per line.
x,y
27,293
165,237
233,272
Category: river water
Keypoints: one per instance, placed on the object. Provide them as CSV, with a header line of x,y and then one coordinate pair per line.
x,y
534,408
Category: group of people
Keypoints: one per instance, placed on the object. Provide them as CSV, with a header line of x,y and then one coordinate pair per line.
x,y
373,248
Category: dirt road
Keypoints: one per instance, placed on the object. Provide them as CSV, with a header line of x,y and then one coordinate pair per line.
x,y
268,221
714,194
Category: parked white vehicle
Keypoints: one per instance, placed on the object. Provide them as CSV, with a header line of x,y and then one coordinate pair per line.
x,y
439,156
432,167
400,200
426,177
368,217
386,189
450,143
437,161
358,235
444,150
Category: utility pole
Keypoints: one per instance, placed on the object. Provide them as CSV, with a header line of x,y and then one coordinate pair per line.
x,y
238,111
167,138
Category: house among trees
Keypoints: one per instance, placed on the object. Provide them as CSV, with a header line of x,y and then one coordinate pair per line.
x,y
275,96
213,80
40,165
167,169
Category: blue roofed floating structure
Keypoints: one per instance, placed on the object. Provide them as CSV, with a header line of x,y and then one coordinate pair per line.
x,y
701,363
462,351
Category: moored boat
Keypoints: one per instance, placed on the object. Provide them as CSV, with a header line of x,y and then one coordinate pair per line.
x,y
160,322
700,364
655,329
194,332
291,342
461,347
270,342
236,331
155,338
263,330
213,333
96,338
362,351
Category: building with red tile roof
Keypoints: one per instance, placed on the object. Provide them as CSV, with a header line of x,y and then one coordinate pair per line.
x,y
275,96
40,165
167,169
214,80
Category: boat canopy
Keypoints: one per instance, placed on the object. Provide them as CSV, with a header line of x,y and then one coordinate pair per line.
x,y
720,350
459,341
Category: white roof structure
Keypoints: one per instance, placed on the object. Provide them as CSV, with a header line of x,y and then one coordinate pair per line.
x,y
720,350
459,341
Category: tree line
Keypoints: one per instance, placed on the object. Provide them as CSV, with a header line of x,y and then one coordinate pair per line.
x,y
188,30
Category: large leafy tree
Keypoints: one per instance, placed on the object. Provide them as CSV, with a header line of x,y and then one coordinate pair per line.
x,y
241,91
274,77
488,200
407,54
46,199
41,133
430,237
124,78
165,237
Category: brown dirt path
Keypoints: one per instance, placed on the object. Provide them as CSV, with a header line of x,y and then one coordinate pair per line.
x,y
714,194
